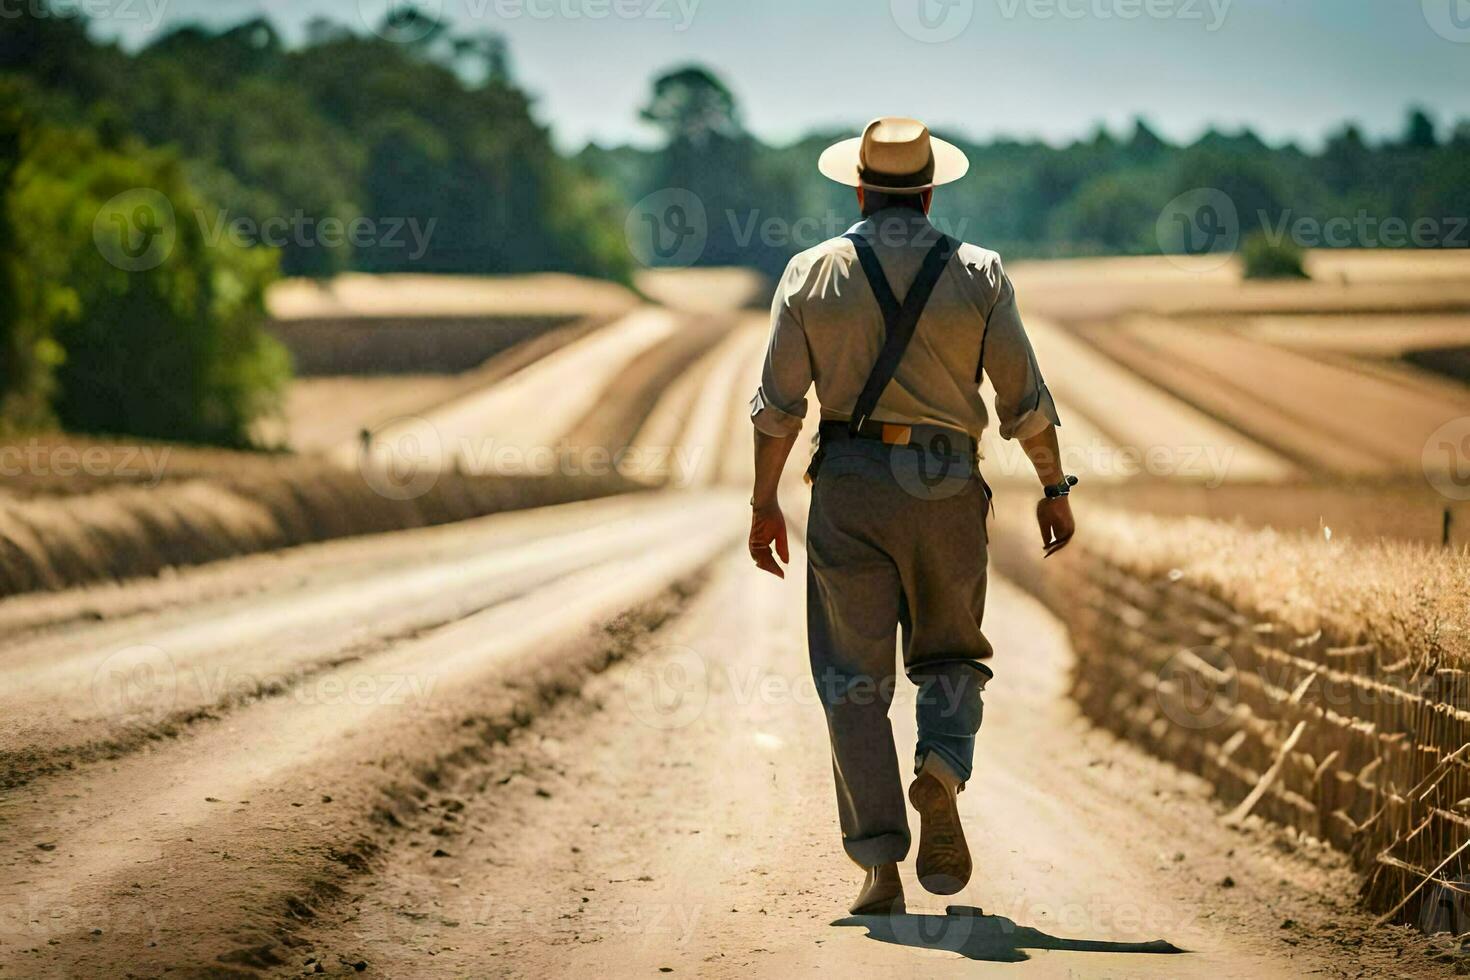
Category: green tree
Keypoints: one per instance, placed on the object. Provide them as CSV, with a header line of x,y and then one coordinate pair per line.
x,y
1113,213
160,331
26,353
1419,131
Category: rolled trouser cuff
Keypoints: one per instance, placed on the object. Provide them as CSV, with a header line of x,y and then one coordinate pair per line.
x,y
958,758
950,710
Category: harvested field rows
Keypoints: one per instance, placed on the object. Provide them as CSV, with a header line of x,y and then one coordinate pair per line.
x,y
1326,416
498,429
1185,442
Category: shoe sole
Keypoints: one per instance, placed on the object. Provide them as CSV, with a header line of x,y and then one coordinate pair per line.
x,y
941,870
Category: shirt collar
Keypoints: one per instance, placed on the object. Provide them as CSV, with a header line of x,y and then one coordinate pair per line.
x,y
893,226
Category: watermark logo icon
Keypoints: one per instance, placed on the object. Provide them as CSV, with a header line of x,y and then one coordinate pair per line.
x,y
932,21
1195,690
953,931
401,21
1450,19
668,688
1446,459
135,680
668,228
136,230
935,469
1199,230
401,461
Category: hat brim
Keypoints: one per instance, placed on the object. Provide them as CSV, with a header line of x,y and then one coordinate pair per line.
x,y
842,160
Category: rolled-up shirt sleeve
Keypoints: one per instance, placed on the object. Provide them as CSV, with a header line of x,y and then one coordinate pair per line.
x,y
779,404
1023,405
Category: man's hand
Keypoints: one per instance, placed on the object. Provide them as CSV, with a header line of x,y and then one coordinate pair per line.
x,y
767,527
1054,515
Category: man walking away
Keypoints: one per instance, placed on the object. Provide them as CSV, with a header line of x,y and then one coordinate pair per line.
x,y
896,324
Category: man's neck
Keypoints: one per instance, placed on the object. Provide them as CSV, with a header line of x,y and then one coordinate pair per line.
x,y
897,225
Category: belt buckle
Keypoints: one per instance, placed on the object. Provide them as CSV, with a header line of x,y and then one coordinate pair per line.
x,y
896,435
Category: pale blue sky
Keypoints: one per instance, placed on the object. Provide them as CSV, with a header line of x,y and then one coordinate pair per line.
x,y
1291,69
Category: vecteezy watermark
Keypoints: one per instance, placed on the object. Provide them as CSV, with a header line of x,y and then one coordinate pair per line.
x,y
672,228
305,231
411,21
405,458
1199,230
1197,687
149,12
668,688
668,228
1364,230
404,462
136,230
932,21
40,918
135,680
226,684
142,464
1446,459
778,231
679,12
1450,19
401,21
676,923
145,681
932,475
1210,13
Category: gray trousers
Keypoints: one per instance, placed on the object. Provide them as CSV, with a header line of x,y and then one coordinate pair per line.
x,y
888,550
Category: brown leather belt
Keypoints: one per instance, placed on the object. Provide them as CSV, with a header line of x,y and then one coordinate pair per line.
x,y
934,438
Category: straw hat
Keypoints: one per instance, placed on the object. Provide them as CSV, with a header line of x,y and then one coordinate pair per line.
x,y
894,155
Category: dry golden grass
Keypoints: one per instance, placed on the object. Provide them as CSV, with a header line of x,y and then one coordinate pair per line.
x,y
1410,599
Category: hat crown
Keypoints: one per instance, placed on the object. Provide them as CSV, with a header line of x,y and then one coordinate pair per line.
x,y
896,145
896,155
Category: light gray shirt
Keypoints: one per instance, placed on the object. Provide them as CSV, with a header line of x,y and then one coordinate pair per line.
x,y
826,329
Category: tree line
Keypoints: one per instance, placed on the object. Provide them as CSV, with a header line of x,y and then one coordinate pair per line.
x,y
148,198
1103,195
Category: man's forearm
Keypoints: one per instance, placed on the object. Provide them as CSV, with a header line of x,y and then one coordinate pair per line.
x,y
1045,455
770,459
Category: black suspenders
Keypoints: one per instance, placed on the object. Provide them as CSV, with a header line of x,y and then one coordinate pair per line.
x,y
899,319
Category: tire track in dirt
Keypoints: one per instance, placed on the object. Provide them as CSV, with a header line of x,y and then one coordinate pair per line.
x,y
199,847
102,691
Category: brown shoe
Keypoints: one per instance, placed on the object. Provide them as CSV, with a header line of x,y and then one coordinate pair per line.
x,y
882,892
943,862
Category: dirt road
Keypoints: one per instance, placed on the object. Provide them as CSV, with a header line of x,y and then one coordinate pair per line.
x,y
576,741
679,818
675,816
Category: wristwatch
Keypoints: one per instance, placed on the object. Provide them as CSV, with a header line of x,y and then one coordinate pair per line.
x,y
1061,489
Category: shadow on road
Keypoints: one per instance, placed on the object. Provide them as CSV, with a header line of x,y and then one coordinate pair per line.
x,y
968,931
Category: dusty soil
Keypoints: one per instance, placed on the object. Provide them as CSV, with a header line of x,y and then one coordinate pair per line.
x,y
678,818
